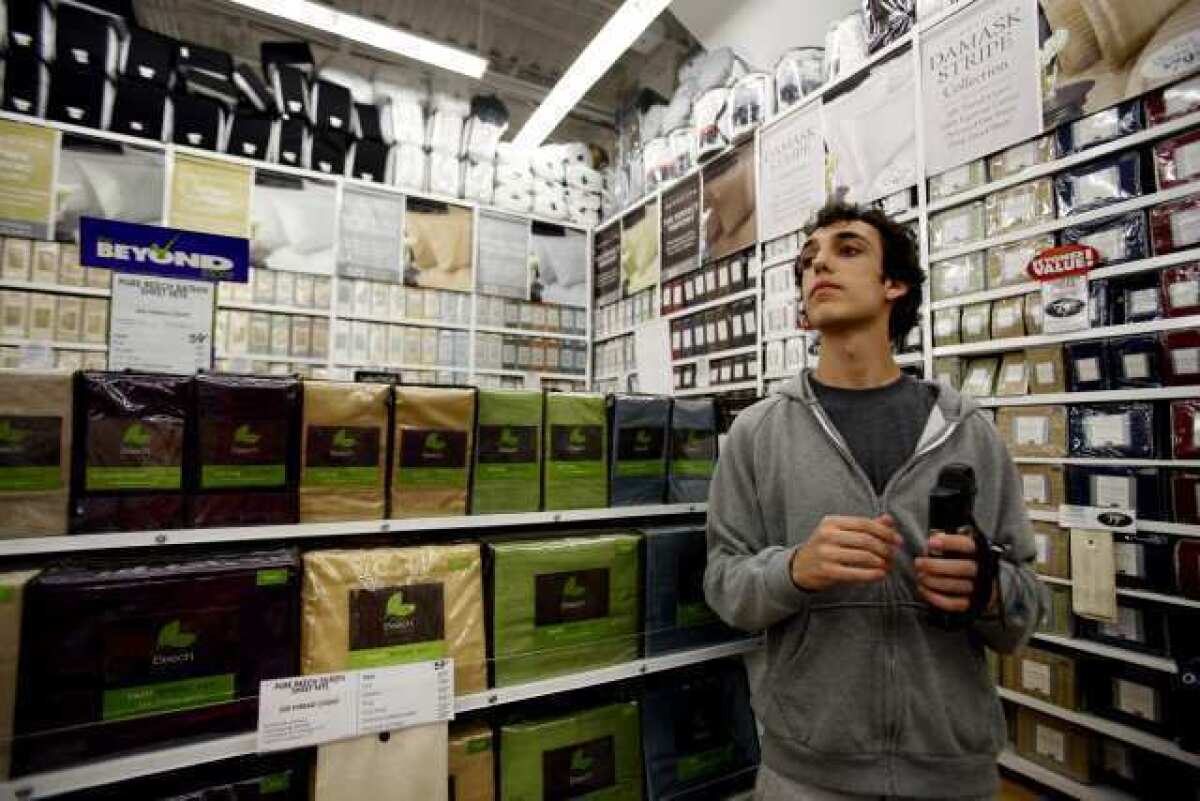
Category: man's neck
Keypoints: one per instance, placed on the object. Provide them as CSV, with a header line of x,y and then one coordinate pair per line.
x,y
856,360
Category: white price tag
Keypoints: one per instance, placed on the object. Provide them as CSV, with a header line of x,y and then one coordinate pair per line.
x,y
405,695
1186,361
1050,743
1035,676
161,324
306,710
1135,699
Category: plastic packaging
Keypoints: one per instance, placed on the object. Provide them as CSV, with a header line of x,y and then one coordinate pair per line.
x,y
639,449
1135,362
957,226
960,179
575,473
676,614
845,46
1099,183
1042,488
432,432
947,326
1008,319
692,450
799,72
979,377
751,103
513,197
1020,207
1116,239
485,126
1135,298
472,762
1117,487
1034,430
447,116
976,322
1175,225
1006,263
1185,495
36,418
1103,126
712,119
1173,101
508,452
1087,366
1177,160
344,451
886,21
1047,371
1023,156
1113,430
1185,429
1181,358
682,142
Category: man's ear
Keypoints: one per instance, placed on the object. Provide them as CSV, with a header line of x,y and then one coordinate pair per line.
x,y
894,290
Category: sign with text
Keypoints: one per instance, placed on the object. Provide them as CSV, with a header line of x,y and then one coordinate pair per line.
x,y
792,172
211,196
981,82
153,250
681,228
161,325
606,264
26,174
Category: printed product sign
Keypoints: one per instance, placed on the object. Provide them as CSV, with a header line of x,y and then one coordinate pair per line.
x,y
372,227
579,770
792,171
30,453
210,196
432,458
160,324
640,262
503,267
571,596
397,625
681,228
693,453
640,453
981,82
154,250
606,262
1062,272
26,170
134,454
242,453
342,456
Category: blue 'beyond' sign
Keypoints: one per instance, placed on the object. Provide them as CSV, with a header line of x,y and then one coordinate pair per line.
x,y
154,250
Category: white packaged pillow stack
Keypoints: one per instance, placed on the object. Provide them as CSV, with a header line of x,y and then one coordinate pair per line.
x,y
402,117
448,113
481,136
479,181
549,167
584,193
514,177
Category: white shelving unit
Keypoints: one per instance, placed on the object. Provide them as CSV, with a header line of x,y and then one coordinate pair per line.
x,y
269,308
1145,595
1010,760
1107,396
20,342
1150,526
716,354
523,332
56,289
1110,652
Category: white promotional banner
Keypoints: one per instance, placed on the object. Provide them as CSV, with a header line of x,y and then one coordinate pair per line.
x,y
792,172
980,82
160,324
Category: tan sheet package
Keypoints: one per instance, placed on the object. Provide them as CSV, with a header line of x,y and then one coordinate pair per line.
x,y
434,430
1042,486
1034,430
1047,373
472,763
35,452
1014,375
12,592
344,451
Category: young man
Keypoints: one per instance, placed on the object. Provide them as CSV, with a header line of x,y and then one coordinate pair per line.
x,y
875,684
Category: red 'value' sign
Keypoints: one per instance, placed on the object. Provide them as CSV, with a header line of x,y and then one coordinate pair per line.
x,y
1062,261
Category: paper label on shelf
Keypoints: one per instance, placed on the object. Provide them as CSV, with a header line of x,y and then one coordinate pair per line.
x,y
1046,372
1185,227
1107,430
1129,625
1136,699
1136,365
1097,518
1042,543
1035,676
1143,301
1093,574
1184,294
1187,160
1112,491
1032,430
1034,488
1087,369
1109,243
1130,559
1185,361
1050,743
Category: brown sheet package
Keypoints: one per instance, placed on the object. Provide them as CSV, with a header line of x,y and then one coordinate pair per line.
x,y
1043,486
433,434
472,763
1053,550
12,593
1034,430
1043,674
344,458
35,452
979,376
1047,372
1033,313
1008,318
1014,375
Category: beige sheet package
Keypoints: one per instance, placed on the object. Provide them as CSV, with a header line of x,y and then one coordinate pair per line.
x,y
1034,430
1006,263
1023,156
1013,379
35,440
406,765
1042,486
1008,318
44,268
1034,312
15,259
344,451
947,325
433,437
68,322
977,322
957,226
958,276
12,595
979,377
948,370
1053,549
1020,206
472,762
70,273
1047,371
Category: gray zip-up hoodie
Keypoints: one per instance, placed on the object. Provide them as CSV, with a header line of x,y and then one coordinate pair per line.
x,y
861,693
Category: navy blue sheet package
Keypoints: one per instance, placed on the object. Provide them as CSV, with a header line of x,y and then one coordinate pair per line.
x,y
1135,299
1087,366
676,615
1114,430
1135,362
1103,126
639,449
698,733
692,451
1100,183
1141,488
1144,561
1116,239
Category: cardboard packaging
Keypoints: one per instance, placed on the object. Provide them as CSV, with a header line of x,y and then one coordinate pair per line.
x,y
1008,318
508,461
979,378
16,259
676,614
434,439
36,417
575,475
1175,225
947,325
1046,370
1132,695
1034,313
1034,430
344,454
948,370
44,265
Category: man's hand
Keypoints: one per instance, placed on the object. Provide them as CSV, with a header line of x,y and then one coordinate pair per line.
x,y
846,550
943,580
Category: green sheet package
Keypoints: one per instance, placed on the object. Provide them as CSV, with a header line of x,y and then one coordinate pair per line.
x,y
508,465
576,474
562,605
594,754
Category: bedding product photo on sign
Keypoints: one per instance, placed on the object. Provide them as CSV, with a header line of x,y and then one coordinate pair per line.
x,y
675,613
433,436
108,181
698,733
472,763
575,475
35,452
562,605
130,451
136,654
692,450
247,432
727,214
639,449
439,243
344,451
593,753
292,223
508,452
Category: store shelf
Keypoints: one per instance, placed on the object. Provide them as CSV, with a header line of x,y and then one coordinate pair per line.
x,y
531,372
1145,595
1110,652
1149,526
1038,340
1010,760
1113,271
528,332
1113,210
18,342
1162,131
624,332
45,785
717,354
269,308
716,389
1097,462
712,304
428,368
1118,731
907,216
57,289
371,318
775,261
320,361
782,335
1106,396
1061,582
909,359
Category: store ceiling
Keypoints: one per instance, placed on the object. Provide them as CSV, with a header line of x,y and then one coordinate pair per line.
x,y
529,44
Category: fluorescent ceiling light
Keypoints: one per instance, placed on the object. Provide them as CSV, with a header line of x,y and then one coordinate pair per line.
x,y
621,31
371,33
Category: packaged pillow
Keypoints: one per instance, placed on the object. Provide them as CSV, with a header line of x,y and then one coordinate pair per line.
x,y
576,456
1006,263
1087,366
1116,239
1099,183
1034,311
1014,375
1103,126
1098,308
562,605
132,655
1185,429
432,432
676,615
1021,157
1177,160
976,322
1181,286
1135,362
979,378
472,763
1175,225
1034,430
1053,546
1042,486
1020,206
508,451
344,454
36,418
130,451
1181,358
692,450
947,326
1008,318
592,753
948,370
959,179
957,226
1115,430
1046,370
958,276
12,604
247,432
640,427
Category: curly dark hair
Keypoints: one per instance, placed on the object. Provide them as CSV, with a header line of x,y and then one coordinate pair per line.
x,y
901,260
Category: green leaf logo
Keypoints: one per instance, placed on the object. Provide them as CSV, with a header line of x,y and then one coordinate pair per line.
x,y
573,590
172,635
396,607
136,436
244,435
508,439
343,440
578,438
435,442
164,251
581,762
10,435
642,438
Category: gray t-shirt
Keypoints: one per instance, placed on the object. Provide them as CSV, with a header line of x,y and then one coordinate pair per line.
x,y
881,425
